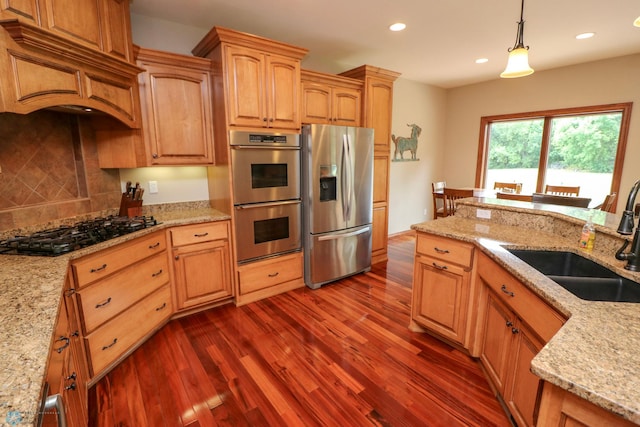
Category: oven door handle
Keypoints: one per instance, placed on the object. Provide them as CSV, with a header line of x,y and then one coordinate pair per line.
x,y
268,204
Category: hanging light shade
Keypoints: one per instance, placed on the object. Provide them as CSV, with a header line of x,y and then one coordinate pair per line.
x,y
518,63
637,22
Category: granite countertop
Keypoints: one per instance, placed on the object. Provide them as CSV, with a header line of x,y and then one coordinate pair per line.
x,y
596,354
30,296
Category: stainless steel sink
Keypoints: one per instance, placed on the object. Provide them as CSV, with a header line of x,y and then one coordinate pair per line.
x,y
582,277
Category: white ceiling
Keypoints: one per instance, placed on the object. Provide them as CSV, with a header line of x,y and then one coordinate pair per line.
x,y
442,40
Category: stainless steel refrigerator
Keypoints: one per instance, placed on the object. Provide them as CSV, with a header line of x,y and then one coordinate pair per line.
x,y
337,184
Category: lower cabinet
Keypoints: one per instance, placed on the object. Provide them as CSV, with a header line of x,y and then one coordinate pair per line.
x,y
514,325
271,276
201,264
559,408
442,286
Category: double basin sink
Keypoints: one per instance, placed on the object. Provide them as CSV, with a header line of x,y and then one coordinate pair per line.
x,y
582,277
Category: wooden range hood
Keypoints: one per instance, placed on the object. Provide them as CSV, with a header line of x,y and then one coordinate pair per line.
x,y
40,69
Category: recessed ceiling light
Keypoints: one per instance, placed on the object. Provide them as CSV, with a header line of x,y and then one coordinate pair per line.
x,y
398,26
481,60
585,36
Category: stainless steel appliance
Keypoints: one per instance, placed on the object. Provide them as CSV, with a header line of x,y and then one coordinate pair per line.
x,y
337,165
266,193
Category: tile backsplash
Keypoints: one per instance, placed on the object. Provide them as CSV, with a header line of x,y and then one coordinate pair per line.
x,y
50,170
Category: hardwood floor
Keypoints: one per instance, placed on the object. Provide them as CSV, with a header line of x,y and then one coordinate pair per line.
x,y
341,355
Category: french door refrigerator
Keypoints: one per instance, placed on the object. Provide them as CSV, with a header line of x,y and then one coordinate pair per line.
x,y
337,184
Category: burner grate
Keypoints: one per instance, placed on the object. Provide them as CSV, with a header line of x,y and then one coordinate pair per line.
x,y
64,239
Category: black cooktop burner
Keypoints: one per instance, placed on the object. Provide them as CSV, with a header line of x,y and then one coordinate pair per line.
x,y
60,240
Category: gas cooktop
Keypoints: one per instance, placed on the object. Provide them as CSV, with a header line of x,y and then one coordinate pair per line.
x,y
64,239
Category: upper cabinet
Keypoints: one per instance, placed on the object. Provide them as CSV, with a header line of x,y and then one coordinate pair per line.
x,y
258,79
329,99
69,54
175,97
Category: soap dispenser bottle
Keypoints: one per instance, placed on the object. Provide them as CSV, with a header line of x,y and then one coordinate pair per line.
x,y
588,236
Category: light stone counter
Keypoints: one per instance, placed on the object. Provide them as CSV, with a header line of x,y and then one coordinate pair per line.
x,y
596,354
30,295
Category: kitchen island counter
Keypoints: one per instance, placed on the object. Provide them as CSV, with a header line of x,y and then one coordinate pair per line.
x,y
30,295
595,354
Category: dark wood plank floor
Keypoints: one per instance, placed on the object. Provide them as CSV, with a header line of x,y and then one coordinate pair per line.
x,y
338,356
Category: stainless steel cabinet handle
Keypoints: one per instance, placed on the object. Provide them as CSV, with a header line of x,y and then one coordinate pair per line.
x,y
268,204
55,402
503,288
441,251
95,270
343,235
104,303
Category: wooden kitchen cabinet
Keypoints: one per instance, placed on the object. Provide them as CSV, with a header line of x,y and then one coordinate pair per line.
x,y
202,264
514,326
20,9
330,99
377,106
442,286
175,99
257,83
66,368
113,289
268,277
102,25
560,408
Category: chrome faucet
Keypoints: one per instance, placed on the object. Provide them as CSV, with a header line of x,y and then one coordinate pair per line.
x,y
626,228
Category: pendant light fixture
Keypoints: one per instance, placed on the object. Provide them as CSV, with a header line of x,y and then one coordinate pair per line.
x,y
518,63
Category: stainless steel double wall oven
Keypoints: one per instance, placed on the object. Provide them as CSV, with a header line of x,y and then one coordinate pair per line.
x,y
266,193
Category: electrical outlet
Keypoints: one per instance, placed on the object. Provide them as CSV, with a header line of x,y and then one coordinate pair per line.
x,y
153,187
424,212
483,213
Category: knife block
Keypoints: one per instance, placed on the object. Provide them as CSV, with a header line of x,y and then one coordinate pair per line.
x,y
129,207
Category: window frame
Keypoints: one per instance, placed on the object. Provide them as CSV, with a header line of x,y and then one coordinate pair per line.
x,y
547,116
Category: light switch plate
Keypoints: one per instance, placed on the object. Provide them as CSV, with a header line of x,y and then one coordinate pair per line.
x,y
153,187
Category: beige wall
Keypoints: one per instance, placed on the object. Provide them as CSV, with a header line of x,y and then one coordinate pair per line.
x,y
603,82
410,182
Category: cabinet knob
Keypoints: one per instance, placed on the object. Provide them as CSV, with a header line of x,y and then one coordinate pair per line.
x,y
509,323
73,376
515,330
154,155
71,386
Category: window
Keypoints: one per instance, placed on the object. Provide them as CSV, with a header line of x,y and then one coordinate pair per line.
x,y
573,147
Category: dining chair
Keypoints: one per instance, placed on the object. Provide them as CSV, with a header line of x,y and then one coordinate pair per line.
x,y
451,195
608,203
562,190
554,199
513,196
436,191
510,186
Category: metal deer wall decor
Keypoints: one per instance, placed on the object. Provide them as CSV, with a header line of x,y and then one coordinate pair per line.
x,y
406,144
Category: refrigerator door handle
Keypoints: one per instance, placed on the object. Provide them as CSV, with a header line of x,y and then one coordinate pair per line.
x,y
347,177
343,235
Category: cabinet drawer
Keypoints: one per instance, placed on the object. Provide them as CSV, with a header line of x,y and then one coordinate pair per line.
x,y
445,249
93,267
199,233
270,272
528,306
104,299
115,337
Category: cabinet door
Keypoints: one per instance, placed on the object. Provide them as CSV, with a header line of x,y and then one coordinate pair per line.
x,y
440,297
177,115
77,20
346,106
282,92
497,339
522,386
245,86
202,273
316,103
379,106
117,28
21,9
379,234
